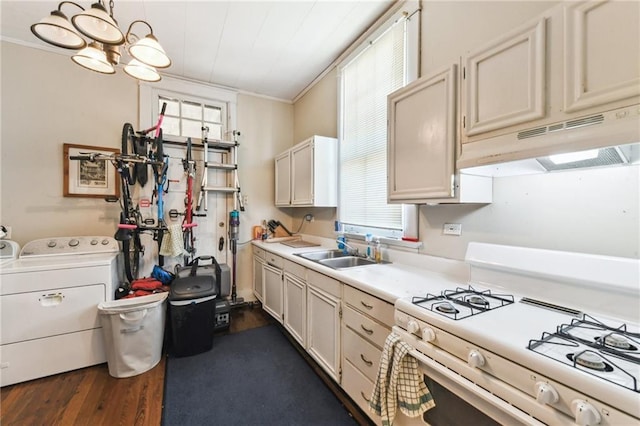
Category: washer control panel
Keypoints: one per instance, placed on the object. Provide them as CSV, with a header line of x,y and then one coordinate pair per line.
x,y
57,246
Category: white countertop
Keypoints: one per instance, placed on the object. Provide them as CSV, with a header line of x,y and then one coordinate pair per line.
x,y
408,274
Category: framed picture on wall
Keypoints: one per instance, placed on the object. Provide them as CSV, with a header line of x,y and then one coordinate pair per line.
x,y
92,179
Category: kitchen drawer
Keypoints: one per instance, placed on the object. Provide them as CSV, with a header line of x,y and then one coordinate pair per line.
x,y
257,251
361,353
273,260
359,388
370,305
295,269
366,327
324,283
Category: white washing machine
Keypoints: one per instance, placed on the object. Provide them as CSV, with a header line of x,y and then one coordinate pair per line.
x,y
48,306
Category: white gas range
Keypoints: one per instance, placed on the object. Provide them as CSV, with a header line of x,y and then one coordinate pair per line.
x,y
536,337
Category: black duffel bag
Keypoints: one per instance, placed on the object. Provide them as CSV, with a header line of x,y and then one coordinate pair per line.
x,y
198,267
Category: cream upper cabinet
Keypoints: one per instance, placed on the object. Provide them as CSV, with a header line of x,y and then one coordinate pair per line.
x,y
307,174
421,138
422,148
504,81
283,179
602,53
525,94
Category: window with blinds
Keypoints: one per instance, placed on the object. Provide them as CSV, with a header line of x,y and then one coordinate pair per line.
x,y
366,80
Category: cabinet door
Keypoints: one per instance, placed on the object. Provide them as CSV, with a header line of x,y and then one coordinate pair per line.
x,y
602,53
505,81
302,173
323,330
272,297
258,290
421,144
295,307
283,179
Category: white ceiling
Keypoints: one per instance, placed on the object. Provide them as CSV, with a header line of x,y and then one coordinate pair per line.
x,y
273,48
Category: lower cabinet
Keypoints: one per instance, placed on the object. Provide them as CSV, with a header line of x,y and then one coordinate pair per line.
x,y
272,297
366,323
258,265
323,322
295,307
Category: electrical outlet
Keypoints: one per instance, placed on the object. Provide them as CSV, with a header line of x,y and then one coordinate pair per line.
x,y
245,199
452,229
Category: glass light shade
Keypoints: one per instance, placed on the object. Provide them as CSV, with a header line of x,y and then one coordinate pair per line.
x,y
137,69
96,23
149,51
56,29
94,58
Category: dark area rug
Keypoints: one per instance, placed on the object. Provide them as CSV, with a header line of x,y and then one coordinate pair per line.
x,y
255,377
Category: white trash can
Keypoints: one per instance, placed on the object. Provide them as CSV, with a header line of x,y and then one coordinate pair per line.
x,y
133,331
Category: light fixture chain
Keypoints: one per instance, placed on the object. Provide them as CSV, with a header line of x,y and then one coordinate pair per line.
x,y
111,6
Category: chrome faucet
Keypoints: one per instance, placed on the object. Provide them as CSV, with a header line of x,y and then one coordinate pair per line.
x,y
354,250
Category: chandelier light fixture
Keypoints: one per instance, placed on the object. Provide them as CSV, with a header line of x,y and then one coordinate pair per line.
x,y
102,52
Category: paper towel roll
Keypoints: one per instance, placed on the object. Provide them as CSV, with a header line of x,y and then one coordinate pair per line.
x,y
410,221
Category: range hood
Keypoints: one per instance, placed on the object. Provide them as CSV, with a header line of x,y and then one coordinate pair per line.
x,y
602,139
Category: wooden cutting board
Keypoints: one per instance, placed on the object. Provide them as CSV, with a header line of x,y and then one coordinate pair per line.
x,y
300,243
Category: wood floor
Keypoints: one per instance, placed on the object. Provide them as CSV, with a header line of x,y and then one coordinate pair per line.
x,y
90,396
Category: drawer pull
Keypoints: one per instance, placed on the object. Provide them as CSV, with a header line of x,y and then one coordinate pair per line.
x,y
364,396
52,299
366,330
366,305
366,361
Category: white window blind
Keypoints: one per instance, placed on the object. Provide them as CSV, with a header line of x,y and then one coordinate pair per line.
x,y
366,81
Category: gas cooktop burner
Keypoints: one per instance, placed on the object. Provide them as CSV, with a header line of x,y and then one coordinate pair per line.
x,y
477,301
590,360
447,308
462,303
616,341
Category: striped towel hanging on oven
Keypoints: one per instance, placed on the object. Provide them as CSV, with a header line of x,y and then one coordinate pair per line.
x,y
399,384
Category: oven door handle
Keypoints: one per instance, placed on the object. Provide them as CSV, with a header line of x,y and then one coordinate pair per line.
x,y
475,389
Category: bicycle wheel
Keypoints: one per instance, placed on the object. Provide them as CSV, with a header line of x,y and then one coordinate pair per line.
x,y
129,147
132,250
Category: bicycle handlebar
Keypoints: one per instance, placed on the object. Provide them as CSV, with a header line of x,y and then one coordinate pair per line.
x,y
126,226
189,225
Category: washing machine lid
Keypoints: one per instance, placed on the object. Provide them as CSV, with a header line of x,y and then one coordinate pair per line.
x,y
26,264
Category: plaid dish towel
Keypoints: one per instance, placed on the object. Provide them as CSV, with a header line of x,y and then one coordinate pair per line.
x,y
172,243
399,384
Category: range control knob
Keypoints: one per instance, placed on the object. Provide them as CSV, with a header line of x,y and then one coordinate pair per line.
x,y
413,326
585,413
74,242
51,244
94,242
475,359
546,394
428,334
105,242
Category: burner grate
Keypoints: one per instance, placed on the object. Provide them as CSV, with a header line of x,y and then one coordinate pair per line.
x,y
585,332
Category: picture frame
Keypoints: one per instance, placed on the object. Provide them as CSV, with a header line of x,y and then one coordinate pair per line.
x,y
87,179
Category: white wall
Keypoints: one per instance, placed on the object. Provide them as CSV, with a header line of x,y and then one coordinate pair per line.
x,y
47,101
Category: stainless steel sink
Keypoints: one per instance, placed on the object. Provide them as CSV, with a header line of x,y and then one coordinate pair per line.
x,y
320,255
346,262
